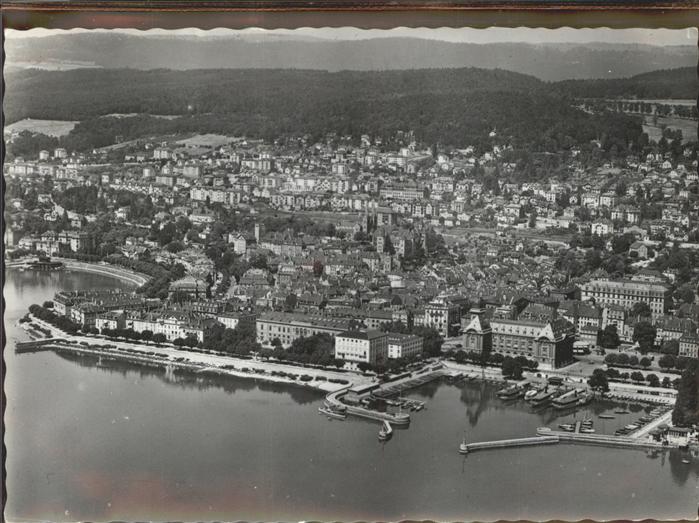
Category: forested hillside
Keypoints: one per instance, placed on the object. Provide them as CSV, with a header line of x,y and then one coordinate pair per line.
x,y
450,106
681,83
94,92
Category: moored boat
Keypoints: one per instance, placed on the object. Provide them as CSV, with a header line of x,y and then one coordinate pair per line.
x,y
331,413
511,392
567,400
586,398
606,416
543,398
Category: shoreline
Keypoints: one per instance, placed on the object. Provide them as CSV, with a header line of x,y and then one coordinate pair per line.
x,y
120,273
214,363
193,368
114,271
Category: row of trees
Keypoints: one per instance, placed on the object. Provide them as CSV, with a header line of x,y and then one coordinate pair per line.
x,y
47,315
130,334
686,411
644,334
241,341
666,361
318,349
512,367
600,379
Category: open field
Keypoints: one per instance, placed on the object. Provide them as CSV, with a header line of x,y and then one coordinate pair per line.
x,y
206,140
688,127
55,128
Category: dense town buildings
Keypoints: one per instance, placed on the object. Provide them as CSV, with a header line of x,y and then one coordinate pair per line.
x,y
297,239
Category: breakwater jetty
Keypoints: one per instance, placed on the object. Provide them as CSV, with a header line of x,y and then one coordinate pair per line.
x,y
466,448
36,345
354,399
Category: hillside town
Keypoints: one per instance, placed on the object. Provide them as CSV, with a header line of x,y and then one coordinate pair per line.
x,y
390,249
306,274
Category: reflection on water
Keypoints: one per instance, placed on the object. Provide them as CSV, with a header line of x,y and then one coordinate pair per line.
x,y
189,378
93,438
477,399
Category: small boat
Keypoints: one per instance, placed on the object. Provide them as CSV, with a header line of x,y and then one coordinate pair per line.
x,y
621,411
606,416
331,413
567,427
631,427
686,461
386,431
532,393
586,430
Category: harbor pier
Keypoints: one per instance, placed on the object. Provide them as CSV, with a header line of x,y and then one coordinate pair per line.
x,y
35,345
601,439
466,448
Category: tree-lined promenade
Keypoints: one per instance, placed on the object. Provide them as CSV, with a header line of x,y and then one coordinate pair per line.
x,y
162,353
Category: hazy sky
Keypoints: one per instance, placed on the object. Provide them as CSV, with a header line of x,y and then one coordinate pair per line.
x,y
660,37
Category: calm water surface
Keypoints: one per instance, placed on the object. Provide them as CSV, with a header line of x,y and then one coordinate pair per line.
x,y
95,440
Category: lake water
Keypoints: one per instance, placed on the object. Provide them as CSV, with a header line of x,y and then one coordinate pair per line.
x,y
112,441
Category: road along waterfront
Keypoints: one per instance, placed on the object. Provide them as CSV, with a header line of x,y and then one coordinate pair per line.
x,y
100,440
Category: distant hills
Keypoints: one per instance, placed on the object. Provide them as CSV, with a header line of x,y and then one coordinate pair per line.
x,y
549,62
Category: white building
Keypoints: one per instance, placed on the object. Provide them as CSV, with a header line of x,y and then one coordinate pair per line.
x,y
367,346
442,315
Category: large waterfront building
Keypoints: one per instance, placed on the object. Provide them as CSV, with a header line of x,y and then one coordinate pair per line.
x,y
627,293
362,346
546,340
171,324
290,326
550,343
